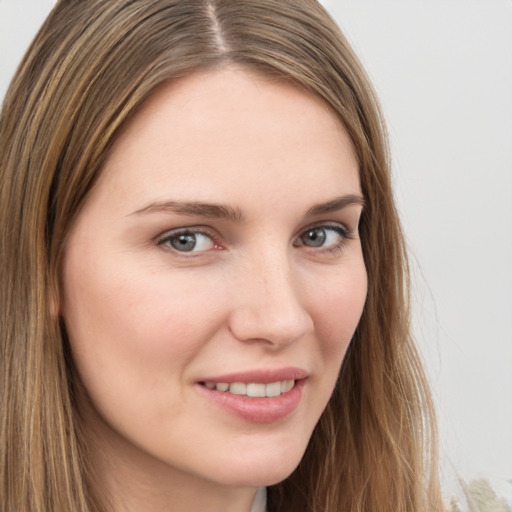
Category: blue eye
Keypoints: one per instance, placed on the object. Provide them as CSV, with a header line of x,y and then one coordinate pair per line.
x,y
186,240
324,236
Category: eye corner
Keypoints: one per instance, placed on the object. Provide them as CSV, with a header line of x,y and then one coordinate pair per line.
x,y
189,241
330,237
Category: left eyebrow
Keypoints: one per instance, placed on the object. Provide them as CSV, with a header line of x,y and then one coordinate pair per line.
x,y
336,204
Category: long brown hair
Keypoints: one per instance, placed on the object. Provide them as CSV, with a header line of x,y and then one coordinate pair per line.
x,y
89,68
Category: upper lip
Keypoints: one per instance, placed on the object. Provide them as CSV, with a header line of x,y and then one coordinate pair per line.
x,y
262,376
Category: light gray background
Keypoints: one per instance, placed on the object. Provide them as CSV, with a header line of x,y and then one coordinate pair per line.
x,y
443,71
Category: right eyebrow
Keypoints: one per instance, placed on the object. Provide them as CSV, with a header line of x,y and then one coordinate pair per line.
x,y
194,208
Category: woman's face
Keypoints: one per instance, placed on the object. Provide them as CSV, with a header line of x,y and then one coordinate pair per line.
x,y
214,279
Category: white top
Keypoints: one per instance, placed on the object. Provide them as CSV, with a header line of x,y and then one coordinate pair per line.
x,y
260,501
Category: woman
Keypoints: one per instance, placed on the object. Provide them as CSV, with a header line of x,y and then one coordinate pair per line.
x,y
204,278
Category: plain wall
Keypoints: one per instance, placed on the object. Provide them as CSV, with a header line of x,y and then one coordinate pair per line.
x,y
443,71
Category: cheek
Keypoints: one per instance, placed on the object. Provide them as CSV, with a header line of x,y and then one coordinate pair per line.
x,y
136,335
143,318
133,339
338,309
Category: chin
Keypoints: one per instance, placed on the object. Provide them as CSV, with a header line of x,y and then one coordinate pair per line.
x,y
257,477
262,470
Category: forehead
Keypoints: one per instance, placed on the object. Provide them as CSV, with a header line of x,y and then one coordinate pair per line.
x,y
232,128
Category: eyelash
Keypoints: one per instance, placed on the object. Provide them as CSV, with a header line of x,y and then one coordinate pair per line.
x,y
167,237
343,232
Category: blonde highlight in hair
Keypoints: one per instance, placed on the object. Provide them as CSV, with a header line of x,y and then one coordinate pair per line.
x,y
92,64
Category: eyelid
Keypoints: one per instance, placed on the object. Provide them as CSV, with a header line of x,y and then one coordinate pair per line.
x,y
194,230
341,229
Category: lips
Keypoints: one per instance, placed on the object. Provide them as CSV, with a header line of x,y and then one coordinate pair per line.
x,y
261,396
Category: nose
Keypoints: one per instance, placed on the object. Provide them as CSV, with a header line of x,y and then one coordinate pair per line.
x,y
268,305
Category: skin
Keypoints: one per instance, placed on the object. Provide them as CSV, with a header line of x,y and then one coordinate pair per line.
x,y
147,322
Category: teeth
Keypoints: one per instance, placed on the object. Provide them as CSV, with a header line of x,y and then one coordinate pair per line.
x,y
273,389
238,388
256,390
253,389
286,385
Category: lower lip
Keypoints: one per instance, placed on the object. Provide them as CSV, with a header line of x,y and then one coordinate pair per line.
x,y
257,410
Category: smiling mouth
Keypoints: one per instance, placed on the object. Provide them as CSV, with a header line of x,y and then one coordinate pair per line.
x,y
252,389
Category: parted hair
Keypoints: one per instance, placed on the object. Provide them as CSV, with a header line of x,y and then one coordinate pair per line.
x,y
88,70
